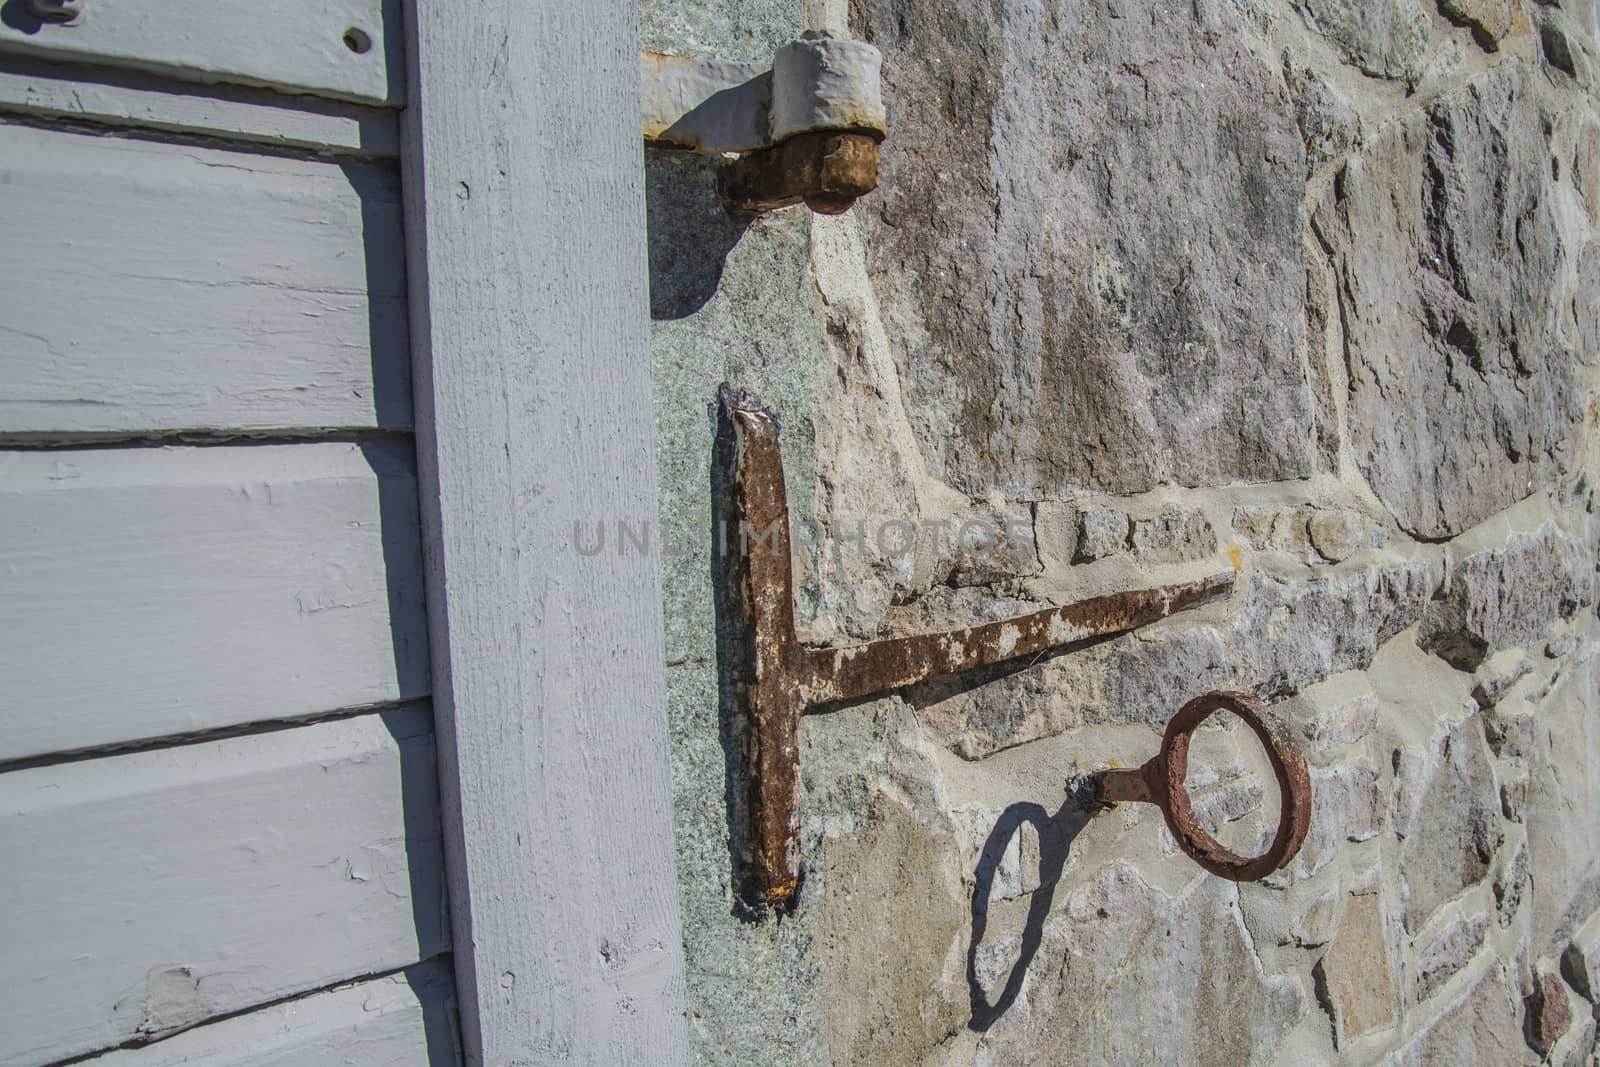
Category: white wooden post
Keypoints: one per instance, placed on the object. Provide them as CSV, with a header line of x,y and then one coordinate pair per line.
x,y
526,225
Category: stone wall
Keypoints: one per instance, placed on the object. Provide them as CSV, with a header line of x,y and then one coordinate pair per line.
x,y
1305,289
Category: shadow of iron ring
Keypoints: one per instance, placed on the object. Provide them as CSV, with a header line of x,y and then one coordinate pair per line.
x,y
1056,834
1161,782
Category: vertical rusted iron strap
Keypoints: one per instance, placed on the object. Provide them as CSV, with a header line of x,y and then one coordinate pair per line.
x,y
767,691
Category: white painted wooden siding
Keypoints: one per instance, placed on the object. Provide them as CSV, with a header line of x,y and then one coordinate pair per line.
x,y
146,892
295,45
209,522
155,591
156,287
401,1020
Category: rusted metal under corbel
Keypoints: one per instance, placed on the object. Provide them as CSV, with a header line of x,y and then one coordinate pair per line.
x,y
805,128
777,679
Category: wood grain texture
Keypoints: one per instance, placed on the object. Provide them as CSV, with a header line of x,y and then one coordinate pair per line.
x,y
150,891
399,1020
292,45
135,101
154,287
524,186
158,591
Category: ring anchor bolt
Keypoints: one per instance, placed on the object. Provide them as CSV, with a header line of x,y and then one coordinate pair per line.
x,y
1161,782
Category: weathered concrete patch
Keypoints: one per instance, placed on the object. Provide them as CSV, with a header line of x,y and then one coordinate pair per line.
x,y
890,926
751,992
732,302
747,30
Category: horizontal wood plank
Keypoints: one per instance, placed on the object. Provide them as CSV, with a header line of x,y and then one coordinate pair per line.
x,y
148,892
298,46
402,1020
150,592
136,101
157,288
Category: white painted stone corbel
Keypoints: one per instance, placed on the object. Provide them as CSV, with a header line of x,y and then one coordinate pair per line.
x,y
708,105
807,125
822,83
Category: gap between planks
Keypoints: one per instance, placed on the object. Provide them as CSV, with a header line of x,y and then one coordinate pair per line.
x,y
442,958
217,733
65,441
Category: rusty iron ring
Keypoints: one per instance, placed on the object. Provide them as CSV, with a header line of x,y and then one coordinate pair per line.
x,y
1161,782
1288,765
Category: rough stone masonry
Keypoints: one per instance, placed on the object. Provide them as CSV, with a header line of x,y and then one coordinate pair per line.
x,y
1305,288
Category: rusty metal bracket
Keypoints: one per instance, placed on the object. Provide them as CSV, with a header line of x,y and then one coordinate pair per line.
x,y
776,679
828,172
805,128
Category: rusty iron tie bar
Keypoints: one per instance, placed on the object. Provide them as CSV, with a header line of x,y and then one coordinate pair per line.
x,y
776,680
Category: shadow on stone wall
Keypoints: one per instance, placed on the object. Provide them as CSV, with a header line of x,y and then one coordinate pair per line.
x,y
731,731
1056,834
690,232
